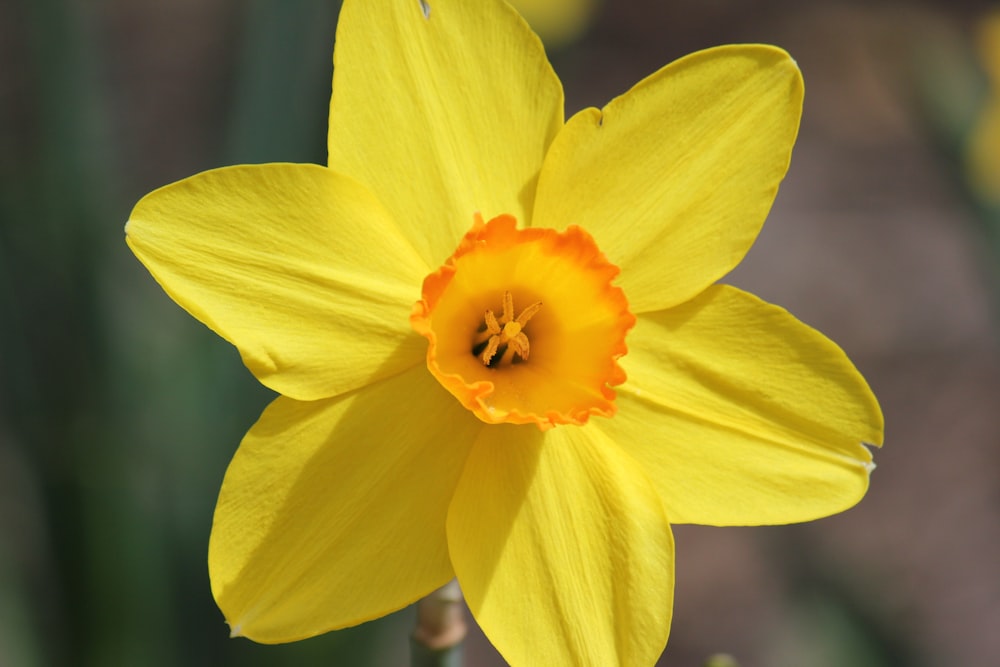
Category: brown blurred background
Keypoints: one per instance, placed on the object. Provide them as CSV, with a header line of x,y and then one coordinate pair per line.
x,y
118,413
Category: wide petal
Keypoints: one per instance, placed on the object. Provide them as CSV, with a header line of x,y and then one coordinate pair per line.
x,y
443,108
562,549
742,415
674,178
333,512
300,268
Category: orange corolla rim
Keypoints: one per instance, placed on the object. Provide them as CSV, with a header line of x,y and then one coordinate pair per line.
x,y
524,325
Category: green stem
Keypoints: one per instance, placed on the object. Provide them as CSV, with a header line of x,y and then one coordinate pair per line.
x,y
437,640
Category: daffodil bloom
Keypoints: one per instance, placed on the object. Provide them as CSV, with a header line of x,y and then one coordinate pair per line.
x,y
500,346
982,149
557,22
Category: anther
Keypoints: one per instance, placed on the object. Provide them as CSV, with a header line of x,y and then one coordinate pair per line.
x,y
507,332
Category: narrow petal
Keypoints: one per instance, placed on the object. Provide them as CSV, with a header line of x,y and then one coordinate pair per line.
x,y
300,268
333,512
443,108
562,549
674,178
742,415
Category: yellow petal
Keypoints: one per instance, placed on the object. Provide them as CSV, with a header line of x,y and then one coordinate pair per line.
x,y
557,22
674,178
562,549
333,512
982,153
442,112
988,44
742,415
298,267
982,147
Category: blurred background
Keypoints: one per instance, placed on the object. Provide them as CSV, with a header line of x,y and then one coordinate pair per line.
x,y
119,413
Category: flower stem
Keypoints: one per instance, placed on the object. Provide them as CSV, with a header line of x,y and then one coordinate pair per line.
x,y
437,640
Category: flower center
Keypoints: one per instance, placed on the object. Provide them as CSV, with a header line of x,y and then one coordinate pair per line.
x,y
505,335
573,342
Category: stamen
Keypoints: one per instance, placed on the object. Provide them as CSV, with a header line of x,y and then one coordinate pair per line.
x,y
506,334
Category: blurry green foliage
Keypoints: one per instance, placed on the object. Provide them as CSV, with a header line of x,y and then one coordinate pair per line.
x,y
118,412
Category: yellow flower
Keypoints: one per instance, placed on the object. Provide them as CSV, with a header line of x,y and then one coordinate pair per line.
x,y
498,340
982,148
557,22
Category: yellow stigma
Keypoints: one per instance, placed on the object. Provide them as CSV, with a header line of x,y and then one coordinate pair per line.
x,y
506,335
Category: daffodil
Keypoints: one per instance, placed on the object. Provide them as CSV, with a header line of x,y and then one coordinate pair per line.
x,y
982,149
557,22
499,342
